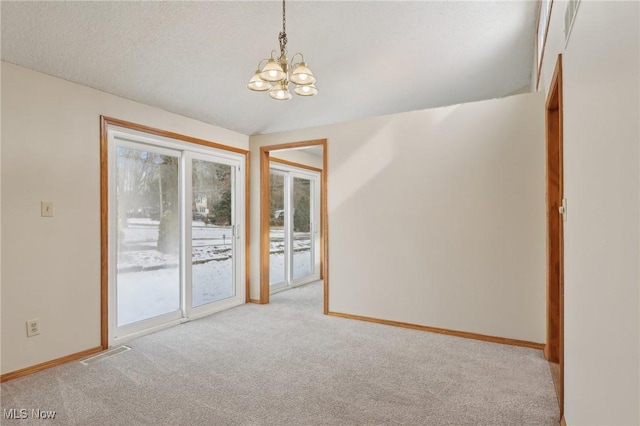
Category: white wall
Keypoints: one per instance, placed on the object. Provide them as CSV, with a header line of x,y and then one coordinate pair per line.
x,y
50,151
0,220
436,217
601,76
298,156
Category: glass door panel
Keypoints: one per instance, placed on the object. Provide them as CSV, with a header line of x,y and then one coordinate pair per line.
x,y
278,219
302,196
294,254
212,232
176,249
148,234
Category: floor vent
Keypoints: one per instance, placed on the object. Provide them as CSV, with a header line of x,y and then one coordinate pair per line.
x,y
106,354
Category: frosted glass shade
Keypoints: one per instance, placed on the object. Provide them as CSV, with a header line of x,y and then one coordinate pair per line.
x,y
257,84
280,92
272,72
306,90
302,75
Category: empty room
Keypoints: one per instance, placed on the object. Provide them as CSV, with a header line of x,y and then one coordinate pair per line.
x,y
320,212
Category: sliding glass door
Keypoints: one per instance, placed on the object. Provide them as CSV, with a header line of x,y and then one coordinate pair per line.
x,y
147,235
174,233
212,232
293,234
301,229
279,221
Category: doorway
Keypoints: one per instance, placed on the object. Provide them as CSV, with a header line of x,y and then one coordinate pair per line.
x,y
175,245
294,210
267,213
556,215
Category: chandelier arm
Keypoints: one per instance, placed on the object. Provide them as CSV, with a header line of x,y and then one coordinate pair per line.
x,y
260,63
293,64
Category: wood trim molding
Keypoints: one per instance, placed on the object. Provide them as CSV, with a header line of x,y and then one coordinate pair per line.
x,y
563,422
545,350
466,335
171,135
104,234
554,230
53,363
264,218
294,164
254,301
554,97
554,349
264,226
324,226
291,145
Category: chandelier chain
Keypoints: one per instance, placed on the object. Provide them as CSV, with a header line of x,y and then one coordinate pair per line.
x,y
282,38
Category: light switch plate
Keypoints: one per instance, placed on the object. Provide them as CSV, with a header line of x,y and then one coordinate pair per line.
x,y
46,208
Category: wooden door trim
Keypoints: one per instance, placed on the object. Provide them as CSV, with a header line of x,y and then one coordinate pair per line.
x,y
448,332
49,364
104,233
264,217
554,348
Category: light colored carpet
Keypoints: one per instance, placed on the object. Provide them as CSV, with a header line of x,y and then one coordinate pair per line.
x,y
287,364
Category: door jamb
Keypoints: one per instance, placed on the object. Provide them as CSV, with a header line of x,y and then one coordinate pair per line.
x,y
554,348
264,217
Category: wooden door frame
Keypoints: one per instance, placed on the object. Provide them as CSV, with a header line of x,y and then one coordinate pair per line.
x,y
265,217
554,348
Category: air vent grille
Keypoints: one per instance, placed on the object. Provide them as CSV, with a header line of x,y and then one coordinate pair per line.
x,y
106,354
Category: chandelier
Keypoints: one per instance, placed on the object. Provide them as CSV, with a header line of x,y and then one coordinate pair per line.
x,y
278,72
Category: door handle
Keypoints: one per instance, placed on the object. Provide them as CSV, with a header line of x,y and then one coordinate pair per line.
x,y
563,209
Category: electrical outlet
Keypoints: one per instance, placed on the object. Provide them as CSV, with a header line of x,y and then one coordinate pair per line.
x,y
33,327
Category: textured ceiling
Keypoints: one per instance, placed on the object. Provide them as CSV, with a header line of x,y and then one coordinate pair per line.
x,y
195,58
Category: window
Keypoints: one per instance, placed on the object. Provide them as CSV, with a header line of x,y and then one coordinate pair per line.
x,y
541,37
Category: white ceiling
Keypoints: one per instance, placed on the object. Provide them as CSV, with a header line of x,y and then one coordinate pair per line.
x,y
195,58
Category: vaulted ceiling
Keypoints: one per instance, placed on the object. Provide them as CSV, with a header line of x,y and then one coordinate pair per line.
x,y
195,58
